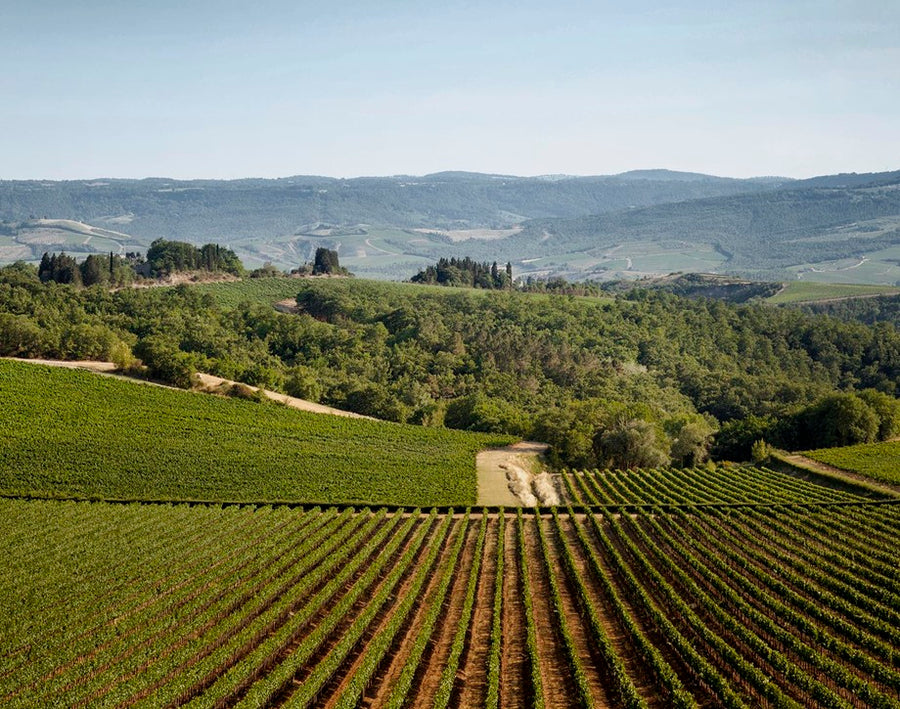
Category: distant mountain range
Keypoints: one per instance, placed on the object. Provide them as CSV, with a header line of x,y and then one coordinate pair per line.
x,y
638,223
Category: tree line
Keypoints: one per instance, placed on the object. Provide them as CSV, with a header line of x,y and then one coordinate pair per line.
x,y
636,379
465,272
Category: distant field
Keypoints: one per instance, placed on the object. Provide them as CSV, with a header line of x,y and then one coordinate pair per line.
x,y
265,291
806,291
879,461
71,433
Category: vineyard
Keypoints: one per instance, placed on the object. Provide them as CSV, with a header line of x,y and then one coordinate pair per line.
x,y
735,587
261,291
75,434
879,461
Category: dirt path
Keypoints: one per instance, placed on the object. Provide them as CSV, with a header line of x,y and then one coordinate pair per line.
x,y
493,465
212,384
209,384
288,305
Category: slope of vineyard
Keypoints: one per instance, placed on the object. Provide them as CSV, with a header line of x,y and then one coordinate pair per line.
x,y
685,603
879,461
75,434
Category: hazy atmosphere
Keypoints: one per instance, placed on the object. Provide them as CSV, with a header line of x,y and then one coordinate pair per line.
x,y
274,88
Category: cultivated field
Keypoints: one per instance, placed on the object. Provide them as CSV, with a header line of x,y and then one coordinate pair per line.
x,y
879,461
77,434
812,292
782,593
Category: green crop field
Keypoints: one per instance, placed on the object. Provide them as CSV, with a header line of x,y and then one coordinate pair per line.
x,y
879,461
753,600
806,291
70,433
264,291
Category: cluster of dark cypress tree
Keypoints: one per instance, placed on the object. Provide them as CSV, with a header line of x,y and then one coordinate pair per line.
x,y
467,273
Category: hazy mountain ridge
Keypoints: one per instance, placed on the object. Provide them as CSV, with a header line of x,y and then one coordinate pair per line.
x,y
639,223
199,210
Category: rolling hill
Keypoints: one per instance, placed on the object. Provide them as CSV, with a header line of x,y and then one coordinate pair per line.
x,y
833,228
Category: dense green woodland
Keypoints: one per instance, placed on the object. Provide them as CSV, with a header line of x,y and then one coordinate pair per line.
x,y
640,379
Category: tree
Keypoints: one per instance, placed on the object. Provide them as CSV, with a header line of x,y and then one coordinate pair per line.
x,y
839,420
94,270
887,408
628,444
326,262
760,452
692,438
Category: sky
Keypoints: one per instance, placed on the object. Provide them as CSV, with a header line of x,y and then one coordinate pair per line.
x,y
272,88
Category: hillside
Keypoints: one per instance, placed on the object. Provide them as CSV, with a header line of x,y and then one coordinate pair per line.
x,y
879,461
565,371
819,233
77,434
833,228
284,220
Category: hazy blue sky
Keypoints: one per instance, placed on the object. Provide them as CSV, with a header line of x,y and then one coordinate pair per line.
x,y
186,88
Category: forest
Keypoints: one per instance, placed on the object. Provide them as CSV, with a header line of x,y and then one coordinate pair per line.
x,y
643,378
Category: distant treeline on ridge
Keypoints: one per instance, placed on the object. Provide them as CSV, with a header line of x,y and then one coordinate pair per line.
x,y
467,273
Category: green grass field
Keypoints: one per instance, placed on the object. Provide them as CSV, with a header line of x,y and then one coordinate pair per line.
x,y
267,291
76,434
879,461
805,291
229,294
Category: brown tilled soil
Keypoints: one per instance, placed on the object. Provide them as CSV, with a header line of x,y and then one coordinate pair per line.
x,y
341,679
514,681
341,628
287,586
702,694
162,611
556,675
579,630
471,682
384,681
643,680
432,667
